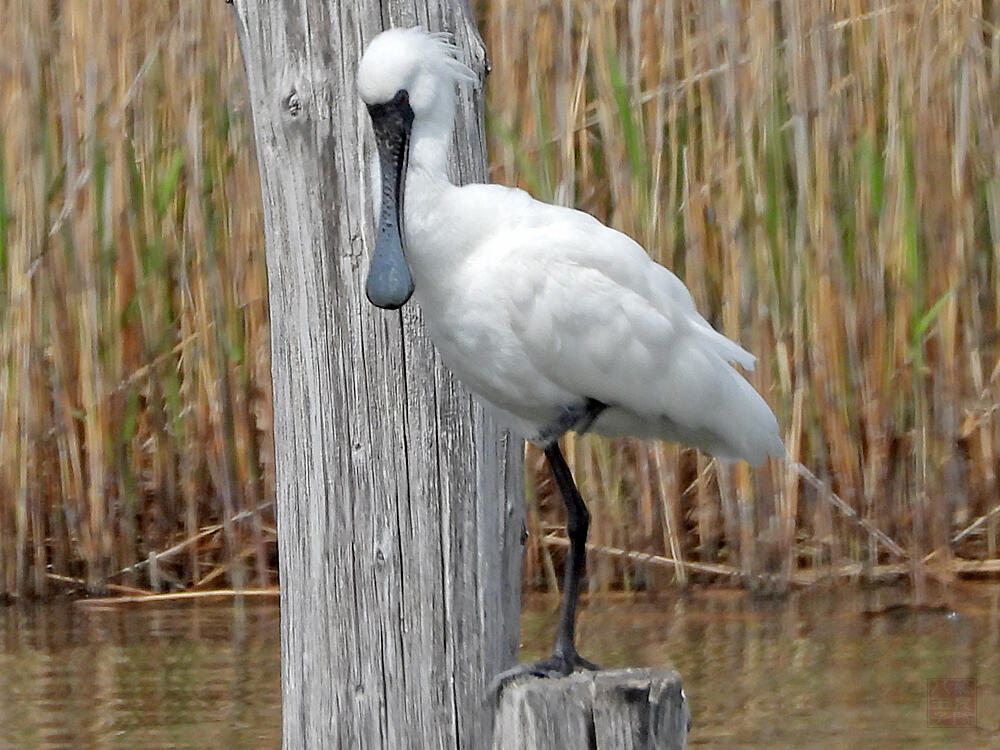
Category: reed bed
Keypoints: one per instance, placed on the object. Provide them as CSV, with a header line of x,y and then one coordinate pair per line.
x,y
823,174
134,355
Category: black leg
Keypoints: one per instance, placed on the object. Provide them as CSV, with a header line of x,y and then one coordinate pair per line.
x,y
564,657
577,526
578,417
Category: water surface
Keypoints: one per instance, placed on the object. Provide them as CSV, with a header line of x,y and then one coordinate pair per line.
x,y
809,671
172,675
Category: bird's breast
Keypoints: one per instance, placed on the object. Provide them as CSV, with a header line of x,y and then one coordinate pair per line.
x,y
470,329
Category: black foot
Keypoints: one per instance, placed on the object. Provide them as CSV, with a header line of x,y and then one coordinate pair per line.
x,y
556,665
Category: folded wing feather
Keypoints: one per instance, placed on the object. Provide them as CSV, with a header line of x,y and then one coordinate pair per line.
x,y
600,319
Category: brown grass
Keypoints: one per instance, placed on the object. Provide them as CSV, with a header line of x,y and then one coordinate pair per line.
x,y
824,175
135,393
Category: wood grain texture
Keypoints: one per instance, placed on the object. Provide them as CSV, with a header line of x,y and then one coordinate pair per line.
x,y
399,500
629,709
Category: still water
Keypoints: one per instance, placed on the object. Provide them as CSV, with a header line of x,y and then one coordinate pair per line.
x,y
138,676
810,671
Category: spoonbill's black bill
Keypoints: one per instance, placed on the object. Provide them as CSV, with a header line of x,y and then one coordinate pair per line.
x,y
389,281
552,318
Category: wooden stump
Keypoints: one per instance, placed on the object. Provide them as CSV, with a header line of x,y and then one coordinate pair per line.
x,y
626,709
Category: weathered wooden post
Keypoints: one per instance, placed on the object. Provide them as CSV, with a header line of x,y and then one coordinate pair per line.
x,y
628,709
399,502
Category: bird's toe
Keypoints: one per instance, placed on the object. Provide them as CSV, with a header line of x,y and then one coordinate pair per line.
x,y
557,665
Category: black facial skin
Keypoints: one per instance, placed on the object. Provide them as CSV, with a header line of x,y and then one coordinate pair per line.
x,y
389,282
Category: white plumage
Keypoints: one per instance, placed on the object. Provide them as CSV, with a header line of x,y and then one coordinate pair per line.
x,y
537,308
551,317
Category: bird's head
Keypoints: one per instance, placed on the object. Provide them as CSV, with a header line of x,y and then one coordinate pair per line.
x,y
407,79
422,65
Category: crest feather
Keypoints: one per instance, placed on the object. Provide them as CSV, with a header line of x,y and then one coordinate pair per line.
x,y
445,54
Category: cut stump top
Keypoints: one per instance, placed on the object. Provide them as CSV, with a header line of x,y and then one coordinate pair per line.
x,y
624,709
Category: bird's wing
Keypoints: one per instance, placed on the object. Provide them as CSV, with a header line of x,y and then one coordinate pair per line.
x,y
596,316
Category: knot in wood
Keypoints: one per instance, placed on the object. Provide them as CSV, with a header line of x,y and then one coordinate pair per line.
x,y
293,104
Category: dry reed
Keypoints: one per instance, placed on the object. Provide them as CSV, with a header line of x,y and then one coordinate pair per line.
x,y
824,175
135,398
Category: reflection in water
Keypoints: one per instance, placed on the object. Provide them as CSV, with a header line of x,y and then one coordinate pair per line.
x,y
170,675
810,671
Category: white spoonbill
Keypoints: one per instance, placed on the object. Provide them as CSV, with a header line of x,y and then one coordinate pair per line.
x,y
546,314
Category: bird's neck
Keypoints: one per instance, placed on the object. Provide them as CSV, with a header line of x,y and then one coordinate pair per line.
x,y
426,183
428,187
429,144
428,159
